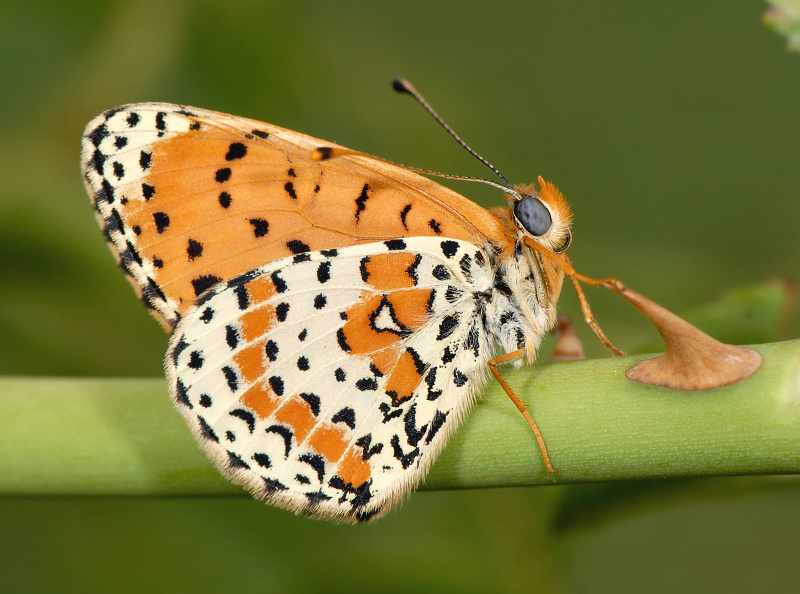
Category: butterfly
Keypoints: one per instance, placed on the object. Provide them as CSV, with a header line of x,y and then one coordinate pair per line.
x,y
333,315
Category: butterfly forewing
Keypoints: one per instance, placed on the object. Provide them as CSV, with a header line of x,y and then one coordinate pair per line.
x,y
189,198
327,383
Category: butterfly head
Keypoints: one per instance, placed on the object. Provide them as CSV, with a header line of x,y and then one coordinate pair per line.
x,y
543,216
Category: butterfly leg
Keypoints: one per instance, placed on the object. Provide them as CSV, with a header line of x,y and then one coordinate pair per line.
x,y
508,358
568,346
588,316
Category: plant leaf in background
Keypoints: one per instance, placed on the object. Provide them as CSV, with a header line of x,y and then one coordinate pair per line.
x,y
784,18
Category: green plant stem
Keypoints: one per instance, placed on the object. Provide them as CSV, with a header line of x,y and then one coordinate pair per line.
x,y
121,437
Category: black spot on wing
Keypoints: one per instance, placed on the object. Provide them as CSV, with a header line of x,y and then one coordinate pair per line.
x,y
342,340
242,298
272,486
246,416
404,458
430,381
448,355
447,326
297,247
440,272
262,460
206,431
285,433
195,360
453,294
404,214
271,350
161,124
97,135
387,415
438,421
235,461
412,269
194,249
449,248
314,499
368,450
347,416
413,433
161,219
466,266
230,378
367,384
316,462
260,226
152,291
281,311
181,394
324,272
97,161
203,283
361,201
236,150
313,402
280,284
276,383
145,160
179,348
362,267
231,336
395,244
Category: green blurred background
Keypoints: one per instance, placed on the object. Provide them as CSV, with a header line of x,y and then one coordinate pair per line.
x,y
669,126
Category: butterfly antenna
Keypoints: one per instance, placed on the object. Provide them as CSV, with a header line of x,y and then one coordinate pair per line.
x,y
401,85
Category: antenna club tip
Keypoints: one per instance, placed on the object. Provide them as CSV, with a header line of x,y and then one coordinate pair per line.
x,y
401,85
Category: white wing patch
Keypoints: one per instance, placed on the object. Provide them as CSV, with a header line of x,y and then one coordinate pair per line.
x,y
328,382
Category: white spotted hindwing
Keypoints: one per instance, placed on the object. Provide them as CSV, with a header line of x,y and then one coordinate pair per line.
x,y
328,382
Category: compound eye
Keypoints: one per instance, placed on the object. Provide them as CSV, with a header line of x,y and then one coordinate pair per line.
x,y
533,215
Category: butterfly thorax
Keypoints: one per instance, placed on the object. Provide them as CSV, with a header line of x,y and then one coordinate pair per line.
x,y
524,294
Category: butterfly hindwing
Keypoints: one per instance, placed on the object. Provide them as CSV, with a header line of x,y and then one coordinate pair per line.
x,y
328,382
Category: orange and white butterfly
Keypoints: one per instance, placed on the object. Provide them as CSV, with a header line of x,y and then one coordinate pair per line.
x,y
333,315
